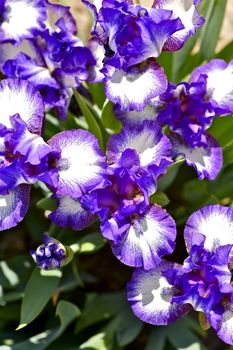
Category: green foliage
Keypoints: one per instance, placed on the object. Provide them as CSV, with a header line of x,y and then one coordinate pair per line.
x,y
67,313
41,285
181,335
93,125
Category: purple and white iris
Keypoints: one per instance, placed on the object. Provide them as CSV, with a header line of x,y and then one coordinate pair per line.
x,y
204,281
81,169
189,113
218,75
53,59
139,232
21,19
133,36
24,156
188,109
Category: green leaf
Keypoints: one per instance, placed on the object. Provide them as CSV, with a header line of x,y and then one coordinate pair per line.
x,y
41,286
53,126
160,198
91,121
166,180
183,62
99,308
104,340
222,187
10,312
211,29
97,91
226,53
47,203
129,326
15,272
108,118
195,192
165,59
67,312
188,341
97,342
91,243
157,339
221,129
181,335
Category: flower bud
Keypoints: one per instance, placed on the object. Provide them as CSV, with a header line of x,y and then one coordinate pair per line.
x,y
52,254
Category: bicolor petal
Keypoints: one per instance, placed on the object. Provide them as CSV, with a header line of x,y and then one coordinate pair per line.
x,y
150,294
70,213
206,161
186,11
219,83
134,88
24,67
21,20
9,51
214,222
56,13
31,146
81,166
151,146
13,206
149,112
221,319
20,97
148,238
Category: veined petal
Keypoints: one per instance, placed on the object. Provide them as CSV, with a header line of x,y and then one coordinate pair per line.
x,y
70,213
149,237
29,145
134,88
149,112
24,67
20,97
152,147
56,12
150,294
9,51
94,5
221,319
219,82
214,222
22,19
14,206
98,53
206,161
81,166
190,18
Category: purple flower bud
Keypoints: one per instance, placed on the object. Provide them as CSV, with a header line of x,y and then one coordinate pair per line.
x,y
50,255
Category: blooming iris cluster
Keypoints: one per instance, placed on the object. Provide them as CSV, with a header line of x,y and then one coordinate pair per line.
x,y
43,60
24,156
204,281
39,44
140,232
71,164
131,37
188,109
